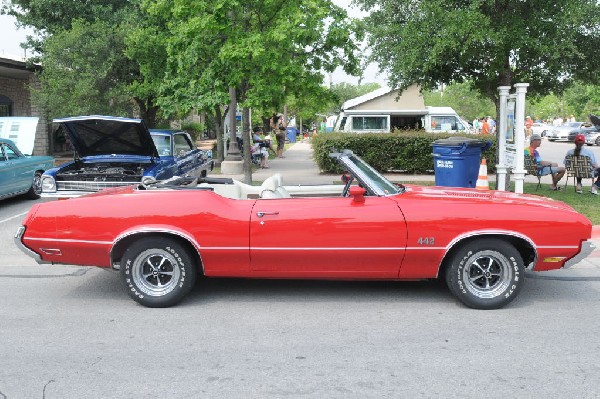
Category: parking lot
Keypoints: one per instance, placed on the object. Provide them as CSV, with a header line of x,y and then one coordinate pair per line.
x,y
72,332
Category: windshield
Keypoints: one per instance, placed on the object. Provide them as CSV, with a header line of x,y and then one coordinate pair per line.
x,y
373,178
163,144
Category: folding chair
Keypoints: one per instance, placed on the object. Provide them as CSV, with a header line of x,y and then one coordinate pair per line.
x,y
532,169
578,166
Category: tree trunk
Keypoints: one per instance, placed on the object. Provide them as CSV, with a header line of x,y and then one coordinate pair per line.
x,y
148,111
218,126
247,140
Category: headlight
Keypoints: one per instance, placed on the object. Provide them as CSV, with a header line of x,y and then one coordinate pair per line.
x,y
48,184
146,180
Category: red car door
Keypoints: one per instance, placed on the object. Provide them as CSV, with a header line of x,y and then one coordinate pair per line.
x,y
327,237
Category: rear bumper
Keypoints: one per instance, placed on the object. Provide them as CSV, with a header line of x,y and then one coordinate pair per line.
x,y
587,247
18,241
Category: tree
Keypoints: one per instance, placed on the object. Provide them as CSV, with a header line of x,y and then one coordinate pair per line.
x,y
267,50
82,47
81,68
346,91
493,43
463,98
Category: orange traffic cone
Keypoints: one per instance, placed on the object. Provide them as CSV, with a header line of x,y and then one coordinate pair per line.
x,y
482,180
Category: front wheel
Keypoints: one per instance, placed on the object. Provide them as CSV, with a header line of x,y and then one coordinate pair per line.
x,y
486,274
158,272
35,191
598,141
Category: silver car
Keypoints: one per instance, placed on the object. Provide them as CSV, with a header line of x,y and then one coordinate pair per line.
x,y
562,132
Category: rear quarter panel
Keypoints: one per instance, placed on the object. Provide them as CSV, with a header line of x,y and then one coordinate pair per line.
x,y
86,228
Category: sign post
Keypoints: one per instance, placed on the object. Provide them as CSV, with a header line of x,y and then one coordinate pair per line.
x,y
511,136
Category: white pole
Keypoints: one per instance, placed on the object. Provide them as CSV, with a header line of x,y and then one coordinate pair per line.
x,y
519,172
502,167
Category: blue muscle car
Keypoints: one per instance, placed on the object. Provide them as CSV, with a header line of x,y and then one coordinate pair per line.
x,y
112,152
21,174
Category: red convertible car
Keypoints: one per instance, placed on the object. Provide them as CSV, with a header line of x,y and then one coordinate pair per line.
x,y
163,235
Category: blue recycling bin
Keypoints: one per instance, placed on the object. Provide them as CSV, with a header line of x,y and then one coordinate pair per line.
x,y
291,134
456,161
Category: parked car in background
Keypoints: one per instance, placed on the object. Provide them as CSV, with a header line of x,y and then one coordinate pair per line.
x,y
112,152
590,132
161,237
541,128
562,132
21,174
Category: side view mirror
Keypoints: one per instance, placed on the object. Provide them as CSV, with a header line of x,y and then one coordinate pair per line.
x,y
345,178
358,194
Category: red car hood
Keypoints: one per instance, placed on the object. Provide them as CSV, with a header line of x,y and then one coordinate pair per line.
x,y
492,196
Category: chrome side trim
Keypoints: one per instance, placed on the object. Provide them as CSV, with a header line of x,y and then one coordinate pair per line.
x,y
587,247
18,241
494,232
156,230
68,240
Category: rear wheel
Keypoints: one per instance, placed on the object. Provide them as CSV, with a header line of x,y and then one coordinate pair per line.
x,y
35,191
598,140
486,274
158,272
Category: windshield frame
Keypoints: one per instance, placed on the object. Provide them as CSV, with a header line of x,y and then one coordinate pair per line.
x,y
370,178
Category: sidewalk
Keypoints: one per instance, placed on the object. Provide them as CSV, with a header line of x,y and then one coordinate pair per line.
x,y
298,167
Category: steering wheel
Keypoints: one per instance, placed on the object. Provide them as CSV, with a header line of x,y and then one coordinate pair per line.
x,y
348,178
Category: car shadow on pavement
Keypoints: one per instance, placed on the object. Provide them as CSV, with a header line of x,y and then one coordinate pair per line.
x,y
291,291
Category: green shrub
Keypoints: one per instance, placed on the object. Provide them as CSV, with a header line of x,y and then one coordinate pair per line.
x,y
406,151
195,129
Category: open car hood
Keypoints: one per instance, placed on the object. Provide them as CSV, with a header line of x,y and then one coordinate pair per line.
x,y
595,120
108,135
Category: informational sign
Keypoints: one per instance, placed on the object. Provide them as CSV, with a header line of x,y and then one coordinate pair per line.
x,y
510,121
21,130
510,156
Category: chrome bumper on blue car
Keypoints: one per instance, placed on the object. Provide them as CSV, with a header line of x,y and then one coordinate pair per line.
x,y
587,247
27,251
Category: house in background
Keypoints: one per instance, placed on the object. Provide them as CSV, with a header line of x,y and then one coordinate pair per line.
x,y
16,78
386,110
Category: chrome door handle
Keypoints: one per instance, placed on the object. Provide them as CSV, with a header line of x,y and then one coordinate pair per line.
x,y
261,214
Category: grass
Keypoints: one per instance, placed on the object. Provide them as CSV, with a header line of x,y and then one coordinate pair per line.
x,y
586,203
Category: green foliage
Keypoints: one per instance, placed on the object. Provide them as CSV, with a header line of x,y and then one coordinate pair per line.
x,y
408,151
82,67
546,43
463,98
195,129
346,91
267,50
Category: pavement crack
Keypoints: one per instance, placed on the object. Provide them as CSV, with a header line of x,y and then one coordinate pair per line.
x,y
44,391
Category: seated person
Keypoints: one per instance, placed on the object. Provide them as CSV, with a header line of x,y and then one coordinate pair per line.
x,y
581,150
257,150
544,167
266,142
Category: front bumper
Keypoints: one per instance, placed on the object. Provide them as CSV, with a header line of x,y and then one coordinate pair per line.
x,y
587,247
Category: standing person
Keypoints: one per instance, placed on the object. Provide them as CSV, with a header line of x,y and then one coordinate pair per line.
x,y
485,126
581,150
476,125
492,124
528,125
544,167
279,127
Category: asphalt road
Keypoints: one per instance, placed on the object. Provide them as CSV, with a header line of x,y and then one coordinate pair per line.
x,y
72,332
